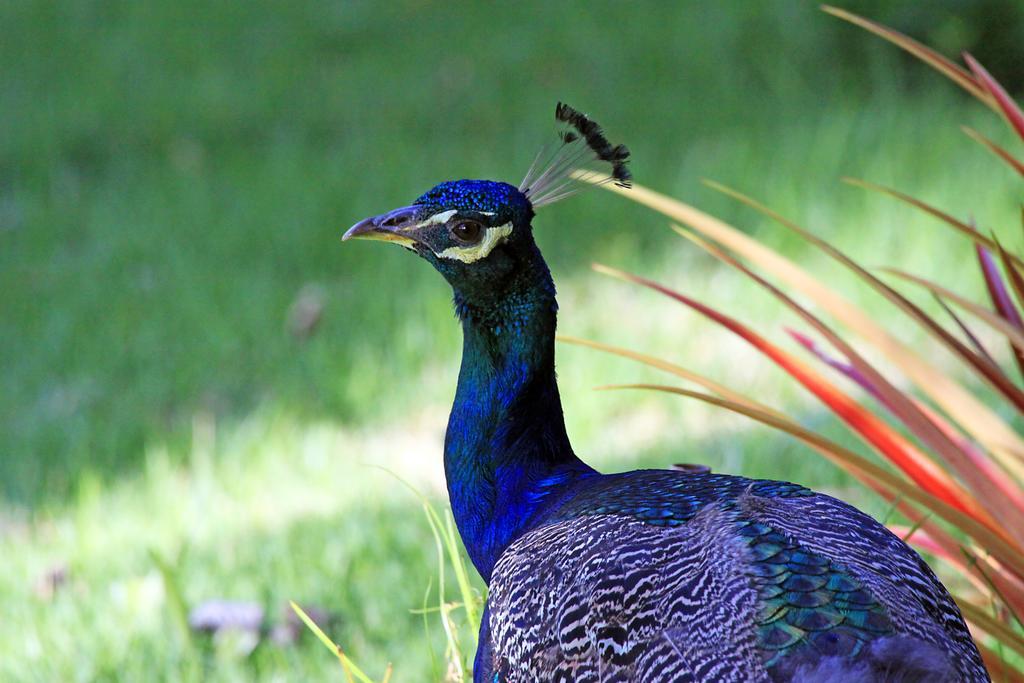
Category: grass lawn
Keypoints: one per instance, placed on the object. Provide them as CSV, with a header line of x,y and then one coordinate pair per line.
x,y
174,178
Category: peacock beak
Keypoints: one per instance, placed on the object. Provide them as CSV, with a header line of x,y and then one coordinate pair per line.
x,y
392,226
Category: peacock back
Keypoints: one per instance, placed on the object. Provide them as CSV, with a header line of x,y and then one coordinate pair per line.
x,y
666,576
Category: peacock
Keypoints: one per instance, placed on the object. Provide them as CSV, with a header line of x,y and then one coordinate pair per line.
x,y
649,575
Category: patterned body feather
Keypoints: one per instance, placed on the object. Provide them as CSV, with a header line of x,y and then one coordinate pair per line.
x,y
667,576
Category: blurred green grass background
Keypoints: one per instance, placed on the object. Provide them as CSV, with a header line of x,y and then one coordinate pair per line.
x,y
175,177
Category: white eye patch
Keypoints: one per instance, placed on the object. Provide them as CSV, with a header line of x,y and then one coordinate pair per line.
x,y
469,254
436,219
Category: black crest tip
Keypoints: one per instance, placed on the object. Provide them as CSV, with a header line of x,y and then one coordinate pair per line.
x,y
561,174
591,132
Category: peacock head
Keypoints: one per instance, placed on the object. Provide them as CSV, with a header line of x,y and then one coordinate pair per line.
x,y
477,233
472,231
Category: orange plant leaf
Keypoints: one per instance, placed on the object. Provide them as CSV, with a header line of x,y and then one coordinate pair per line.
x,y
984,424
673,369
903,407
977,461
919,468
1010,488
990,493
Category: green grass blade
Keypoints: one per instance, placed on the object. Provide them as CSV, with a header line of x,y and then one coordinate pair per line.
x,y
175,598
347,664
451,634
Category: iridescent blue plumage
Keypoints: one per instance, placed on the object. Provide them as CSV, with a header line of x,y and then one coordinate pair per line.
x,y
647,575
476,195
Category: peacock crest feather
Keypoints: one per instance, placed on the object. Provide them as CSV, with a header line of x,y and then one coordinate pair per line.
x,y
551,176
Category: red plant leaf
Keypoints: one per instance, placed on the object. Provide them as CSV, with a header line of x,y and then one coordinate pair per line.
x,y
1014,116
961,227
1013,274
921,470
995,149
1000,296
997,507
906,410
997,288
943,65
991,373
846,369
973,338
901,405
984,424
979,460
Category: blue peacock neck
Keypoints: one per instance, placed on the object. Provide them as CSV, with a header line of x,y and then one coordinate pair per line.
x,y
506,449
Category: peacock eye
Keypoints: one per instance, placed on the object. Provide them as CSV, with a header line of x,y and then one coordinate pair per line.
x,y
468,232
